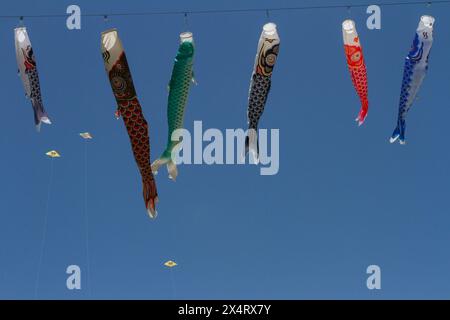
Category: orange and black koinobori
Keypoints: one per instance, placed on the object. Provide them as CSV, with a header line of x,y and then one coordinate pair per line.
x,y
129,108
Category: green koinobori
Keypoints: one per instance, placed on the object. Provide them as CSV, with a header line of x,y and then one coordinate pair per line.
x,y
182,76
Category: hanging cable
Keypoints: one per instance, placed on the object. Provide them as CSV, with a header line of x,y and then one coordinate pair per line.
x,y
249,10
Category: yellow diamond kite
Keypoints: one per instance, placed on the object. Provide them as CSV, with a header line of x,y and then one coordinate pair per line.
x,y
53,154
170,264
86,135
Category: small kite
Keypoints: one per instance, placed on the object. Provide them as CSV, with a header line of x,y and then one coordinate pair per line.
x,y
266,57
356,66
29,74
180,82
170,264
53,154
129,108
416,66
86,135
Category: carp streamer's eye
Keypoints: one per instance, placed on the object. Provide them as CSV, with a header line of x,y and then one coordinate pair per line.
x,y
118,83
271,59
356,57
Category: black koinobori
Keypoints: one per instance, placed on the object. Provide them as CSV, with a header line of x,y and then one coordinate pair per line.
x,y
266,57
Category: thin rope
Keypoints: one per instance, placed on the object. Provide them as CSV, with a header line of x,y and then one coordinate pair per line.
x,y
44,231
86,218
249,10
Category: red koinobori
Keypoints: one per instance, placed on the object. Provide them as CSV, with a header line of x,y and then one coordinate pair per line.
x,y
356,65
128,107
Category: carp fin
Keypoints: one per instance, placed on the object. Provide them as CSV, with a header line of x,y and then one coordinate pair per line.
x,y
171,166
150,197
399,133
252,146
193,78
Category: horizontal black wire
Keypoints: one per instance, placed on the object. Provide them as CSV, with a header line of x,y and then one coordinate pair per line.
x,y
215,11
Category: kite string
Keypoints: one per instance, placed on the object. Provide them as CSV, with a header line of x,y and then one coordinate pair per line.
x,y
172,276
173,252
172,280
86,218
44,231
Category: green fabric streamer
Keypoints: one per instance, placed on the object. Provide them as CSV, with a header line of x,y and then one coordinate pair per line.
x,y
180,82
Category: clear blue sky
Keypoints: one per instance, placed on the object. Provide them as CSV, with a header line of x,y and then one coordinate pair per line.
x,y
344,197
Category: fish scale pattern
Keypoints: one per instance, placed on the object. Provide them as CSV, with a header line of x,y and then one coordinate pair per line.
x,y
415,69
359,80
35,95
130,110
258,95
27,64
179,86
358,73
137,129
35,85
406,86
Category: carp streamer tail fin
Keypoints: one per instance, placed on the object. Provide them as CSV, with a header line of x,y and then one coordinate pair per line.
x,y
399,133
150,197
166,159
363,112
39,114
252,145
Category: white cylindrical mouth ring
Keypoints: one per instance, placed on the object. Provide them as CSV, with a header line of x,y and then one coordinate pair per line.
x,y
109,39
270,28
186,37
348,26
21,34
428,21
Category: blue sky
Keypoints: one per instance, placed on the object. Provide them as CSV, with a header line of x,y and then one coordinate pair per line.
x,y
344,197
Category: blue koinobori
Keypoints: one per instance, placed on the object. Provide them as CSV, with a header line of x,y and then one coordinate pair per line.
x,y
416,66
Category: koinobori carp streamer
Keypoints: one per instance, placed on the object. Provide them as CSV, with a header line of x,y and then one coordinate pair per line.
x,y
180,82
416,66
266,57
26,63
129,108
356,66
